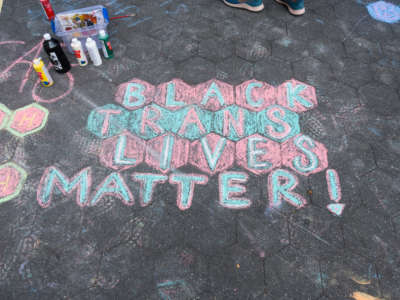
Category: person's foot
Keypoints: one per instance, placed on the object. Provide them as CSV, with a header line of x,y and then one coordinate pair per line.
x,y
251,5
295,7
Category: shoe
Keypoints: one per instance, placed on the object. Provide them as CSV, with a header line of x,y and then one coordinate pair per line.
x,y
295,7
251,5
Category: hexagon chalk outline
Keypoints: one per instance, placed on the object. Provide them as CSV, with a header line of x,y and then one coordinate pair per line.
x,y
17,187
12,127
4,115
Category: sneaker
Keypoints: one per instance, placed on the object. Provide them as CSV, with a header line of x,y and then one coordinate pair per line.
x,y
295,7
251,5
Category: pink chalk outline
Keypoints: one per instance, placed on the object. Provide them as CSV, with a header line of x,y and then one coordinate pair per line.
x,y
37,98
22,60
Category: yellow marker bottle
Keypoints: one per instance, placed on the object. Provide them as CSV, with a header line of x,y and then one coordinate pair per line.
x,y
42,72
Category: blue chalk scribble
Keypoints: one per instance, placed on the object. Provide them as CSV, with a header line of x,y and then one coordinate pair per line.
x,y
384,11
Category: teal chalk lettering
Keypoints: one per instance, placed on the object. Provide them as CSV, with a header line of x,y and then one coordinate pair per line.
x,y
148,182
253,153
249,98
170,101
212,157
293,95
186,184
229,189
213,91
281,183
135,91
54,178
166,154
119,155
312,158
334,188
113,185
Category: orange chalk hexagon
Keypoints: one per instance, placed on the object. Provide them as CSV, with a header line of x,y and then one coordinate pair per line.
x,y
304,155
12,178
297,96
28,119
4,115
258,154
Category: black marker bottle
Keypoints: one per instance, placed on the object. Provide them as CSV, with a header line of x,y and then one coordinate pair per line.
x,y
56,54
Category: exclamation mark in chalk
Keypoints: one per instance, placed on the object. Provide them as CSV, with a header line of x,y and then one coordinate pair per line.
x,y
335,192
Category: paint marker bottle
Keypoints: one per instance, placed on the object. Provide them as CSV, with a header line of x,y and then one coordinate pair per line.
x,y
106,45
93,51
47,9
80,55
42,72
56,54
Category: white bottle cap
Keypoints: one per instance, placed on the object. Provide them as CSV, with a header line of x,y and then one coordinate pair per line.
x,y
36,61
47,36
74,40
102,32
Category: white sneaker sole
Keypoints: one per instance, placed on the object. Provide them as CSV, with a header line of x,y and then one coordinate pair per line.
x,y
246,6
297,12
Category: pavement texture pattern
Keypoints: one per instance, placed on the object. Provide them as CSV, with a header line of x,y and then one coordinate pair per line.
x,y
94,202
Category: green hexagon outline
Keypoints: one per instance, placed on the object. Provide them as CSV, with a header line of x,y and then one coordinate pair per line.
x,y
20,184
21,135
7,119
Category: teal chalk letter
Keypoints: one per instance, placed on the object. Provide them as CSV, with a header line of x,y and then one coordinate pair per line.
x,y
312,158
170,101
253,152
213,157
135,91
119,155
148,182
53,177
113,185
166,154
293,95
227,188
213,91
186,183
280,186
249,98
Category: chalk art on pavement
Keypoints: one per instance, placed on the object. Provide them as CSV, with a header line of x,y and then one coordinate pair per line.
x,y
212,127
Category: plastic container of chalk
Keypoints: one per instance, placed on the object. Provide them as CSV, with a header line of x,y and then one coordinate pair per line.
x,y
81,24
